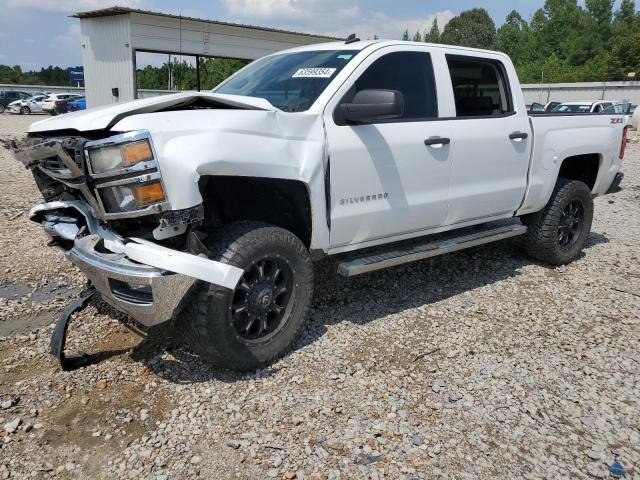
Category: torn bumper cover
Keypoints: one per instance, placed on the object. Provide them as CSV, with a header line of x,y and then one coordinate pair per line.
x,y
138,277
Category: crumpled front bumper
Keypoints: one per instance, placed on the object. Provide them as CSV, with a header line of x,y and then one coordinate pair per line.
x,y
150,295
138,277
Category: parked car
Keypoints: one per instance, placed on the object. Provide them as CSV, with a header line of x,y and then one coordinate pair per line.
x,y
635,119
73,105
57,103
540,108
583,107
621,109
10,96
209,208
30,105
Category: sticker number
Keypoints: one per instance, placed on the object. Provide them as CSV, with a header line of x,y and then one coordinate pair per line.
x,y
314,73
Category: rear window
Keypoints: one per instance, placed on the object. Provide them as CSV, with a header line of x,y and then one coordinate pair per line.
x,y
480,87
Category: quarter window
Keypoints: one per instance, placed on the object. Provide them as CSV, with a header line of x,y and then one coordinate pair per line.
x,y
479,87
411,73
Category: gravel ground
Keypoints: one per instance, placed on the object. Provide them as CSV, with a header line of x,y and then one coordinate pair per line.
x,y
480,364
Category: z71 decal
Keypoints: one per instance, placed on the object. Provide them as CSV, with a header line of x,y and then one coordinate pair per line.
x,y
617,120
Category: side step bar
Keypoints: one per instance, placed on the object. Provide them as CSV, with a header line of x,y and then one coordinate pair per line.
x,y
427,250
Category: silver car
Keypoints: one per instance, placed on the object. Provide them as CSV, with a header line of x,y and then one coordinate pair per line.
x,y
27,106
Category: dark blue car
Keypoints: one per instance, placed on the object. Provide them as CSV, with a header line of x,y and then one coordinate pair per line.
x,y
77,104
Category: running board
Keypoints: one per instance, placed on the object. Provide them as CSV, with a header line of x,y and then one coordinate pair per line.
x,y
427,250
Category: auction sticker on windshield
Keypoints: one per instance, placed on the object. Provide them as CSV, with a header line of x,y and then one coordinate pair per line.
x,y
314,73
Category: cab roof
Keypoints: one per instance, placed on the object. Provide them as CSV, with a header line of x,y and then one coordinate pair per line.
x,y
364,44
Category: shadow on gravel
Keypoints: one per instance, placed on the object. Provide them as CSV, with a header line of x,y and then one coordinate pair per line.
x,y
358,300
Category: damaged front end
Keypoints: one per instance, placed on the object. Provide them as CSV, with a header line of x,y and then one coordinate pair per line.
x,y
106,206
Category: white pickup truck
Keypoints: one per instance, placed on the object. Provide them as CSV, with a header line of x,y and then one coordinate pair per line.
x,y
209,208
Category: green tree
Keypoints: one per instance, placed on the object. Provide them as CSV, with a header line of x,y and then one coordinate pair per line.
x,y
515,38
600,13
626,14
434,34
417,37
405,35
624,57
472,28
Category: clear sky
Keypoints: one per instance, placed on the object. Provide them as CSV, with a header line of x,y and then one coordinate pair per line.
x,y
36,33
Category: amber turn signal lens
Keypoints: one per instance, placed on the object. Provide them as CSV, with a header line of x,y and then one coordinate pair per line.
x,y
136,152
148,193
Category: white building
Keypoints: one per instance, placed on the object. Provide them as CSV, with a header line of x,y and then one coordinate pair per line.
x,y
112,36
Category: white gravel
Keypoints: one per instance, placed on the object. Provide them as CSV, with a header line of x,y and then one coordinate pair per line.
x,y
481,364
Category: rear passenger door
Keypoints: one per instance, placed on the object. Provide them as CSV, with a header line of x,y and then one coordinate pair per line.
x,y
490,140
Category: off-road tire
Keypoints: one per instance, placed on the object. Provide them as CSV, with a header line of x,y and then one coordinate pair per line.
x,y
542,239
207,318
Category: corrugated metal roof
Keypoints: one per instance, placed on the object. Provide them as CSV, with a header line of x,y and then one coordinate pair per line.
x,y
111,11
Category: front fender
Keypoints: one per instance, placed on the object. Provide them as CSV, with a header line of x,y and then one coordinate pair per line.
x,y
248,143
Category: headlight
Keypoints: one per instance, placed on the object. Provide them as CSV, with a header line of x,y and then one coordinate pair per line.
x,y
125,198
118,157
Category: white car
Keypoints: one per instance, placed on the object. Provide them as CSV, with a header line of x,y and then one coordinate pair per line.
x,y
209,208
584,107
29,105
49,104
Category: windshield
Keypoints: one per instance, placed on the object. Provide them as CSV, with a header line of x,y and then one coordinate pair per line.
x,y
292,81
584,108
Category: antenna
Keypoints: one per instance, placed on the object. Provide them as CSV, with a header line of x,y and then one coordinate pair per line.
x,y
352,39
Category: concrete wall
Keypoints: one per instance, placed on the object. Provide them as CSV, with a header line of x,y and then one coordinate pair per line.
x,y
543,93
572,92
142,93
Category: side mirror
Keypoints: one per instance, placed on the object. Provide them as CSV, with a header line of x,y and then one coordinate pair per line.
x,y
373,105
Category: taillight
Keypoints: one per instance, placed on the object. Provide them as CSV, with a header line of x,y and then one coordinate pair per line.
x,y
59,102
623,145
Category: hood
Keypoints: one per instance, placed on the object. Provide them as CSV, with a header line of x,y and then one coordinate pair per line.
x,y
100,118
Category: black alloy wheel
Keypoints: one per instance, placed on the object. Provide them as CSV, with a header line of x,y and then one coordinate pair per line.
x,y
571,222
261,298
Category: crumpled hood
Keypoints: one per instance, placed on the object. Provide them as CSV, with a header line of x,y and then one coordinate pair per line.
x,y
105,117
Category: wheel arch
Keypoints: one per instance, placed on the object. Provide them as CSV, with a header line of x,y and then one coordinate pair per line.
x,y
584,168
282,202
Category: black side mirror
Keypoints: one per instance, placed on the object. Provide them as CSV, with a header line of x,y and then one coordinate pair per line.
x,y
373,105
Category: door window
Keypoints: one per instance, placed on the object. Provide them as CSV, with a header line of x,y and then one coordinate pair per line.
x,y
480,87
411,73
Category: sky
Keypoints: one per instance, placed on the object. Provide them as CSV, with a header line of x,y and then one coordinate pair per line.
x,y
38,33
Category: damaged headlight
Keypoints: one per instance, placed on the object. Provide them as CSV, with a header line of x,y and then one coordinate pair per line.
x,y
125,198
111,158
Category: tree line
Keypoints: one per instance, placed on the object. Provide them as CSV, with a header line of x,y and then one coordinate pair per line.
x,y
46,76
562,42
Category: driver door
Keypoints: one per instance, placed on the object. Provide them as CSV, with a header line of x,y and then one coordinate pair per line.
x,y
385,181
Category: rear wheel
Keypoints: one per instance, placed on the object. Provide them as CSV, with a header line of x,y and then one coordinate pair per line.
x,y
557,234
258,321
1,108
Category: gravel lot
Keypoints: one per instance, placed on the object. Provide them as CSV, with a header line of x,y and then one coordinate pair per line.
x,y
481,364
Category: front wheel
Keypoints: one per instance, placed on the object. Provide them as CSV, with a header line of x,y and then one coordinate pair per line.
x,y
256,323
557,234
25,111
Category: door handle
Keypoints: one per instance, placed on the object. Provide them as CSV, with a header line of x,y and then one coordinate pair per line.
x,y
432,141
518,135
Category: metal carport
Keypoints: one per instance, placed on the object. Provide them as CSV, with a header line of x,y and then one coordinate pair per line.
x,y
112,36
